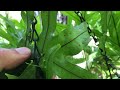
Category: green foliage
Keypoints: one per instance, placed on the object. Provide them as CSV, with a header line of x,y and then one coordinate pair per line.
x,y
58,43
67,70
10,32
49,26
29,72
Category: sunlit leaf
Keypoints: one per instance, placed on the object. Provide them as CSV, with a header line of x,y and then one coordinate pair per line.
x,y
65,69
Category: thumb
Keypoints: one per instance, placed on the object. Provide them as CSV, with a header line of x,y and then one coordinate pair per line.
x,y
11,58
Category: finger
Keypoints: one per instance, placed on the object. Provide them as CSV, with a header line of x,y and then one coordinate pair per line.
x,y
11,58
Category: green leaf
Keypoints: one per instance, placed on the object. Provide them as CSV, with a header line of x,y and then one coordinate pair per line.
x,y
8,22
104,21
59,28
49,60
73,40
92,17
11,76
38,25
29,15
21,42
10,30
3,76
24,17
49,26
29,72
67,70
4,45
102,40
71,15
74,60
115,19
3,34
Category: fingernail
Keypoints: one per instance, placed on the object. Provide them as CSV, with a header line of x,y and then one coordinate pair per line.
x,y
23,50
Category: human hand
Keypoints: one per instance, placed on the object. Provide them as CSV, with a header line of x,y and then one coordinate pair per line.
x,y
11,58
